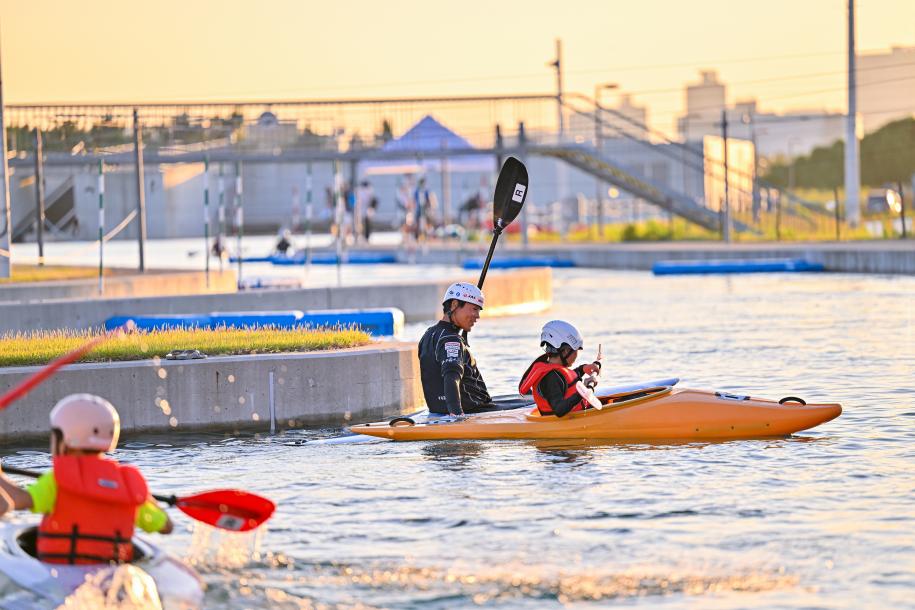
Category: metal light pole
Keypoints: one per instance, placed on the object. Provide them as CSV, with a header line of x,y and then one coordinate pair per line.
x,y
239,217
726,228
852,167
6,238
141,186
101,227
599,145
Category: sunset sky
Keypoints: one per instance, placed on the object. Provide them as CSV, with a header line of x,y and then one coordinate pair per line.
x,y
786,53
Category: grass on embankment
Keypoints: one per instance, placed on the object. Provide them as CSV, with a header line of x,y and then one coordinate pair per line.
x,y
40,347
48,273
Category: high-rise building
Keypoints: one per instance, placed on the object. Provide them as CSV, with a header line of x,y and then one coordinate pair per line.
x,y
886,86
704,102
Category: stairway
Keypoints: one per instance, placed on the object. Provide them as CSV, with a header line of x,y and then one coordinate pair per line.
x,y
588,161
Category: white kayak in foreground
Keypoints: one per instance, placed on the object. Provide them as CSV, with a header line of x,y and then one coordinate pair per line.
x,y
26,582
510,401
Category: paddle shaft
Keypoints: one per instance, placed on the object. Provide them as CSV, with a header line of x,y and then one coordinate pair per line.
x,y
170,500
492,248
496,232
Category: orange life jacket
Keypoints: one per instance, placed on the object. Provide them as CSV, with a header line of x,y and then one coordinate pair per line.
x,y
94,513
538,371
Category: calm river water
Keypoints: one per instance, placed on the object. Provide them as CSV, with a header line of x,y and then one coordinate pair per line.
x,y
825,519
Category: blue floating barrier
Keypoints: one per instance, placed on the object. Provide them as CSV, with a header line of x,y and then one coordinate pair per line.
x,y
254,319
518,263
737,265
353,258
250,259
160,322
386,321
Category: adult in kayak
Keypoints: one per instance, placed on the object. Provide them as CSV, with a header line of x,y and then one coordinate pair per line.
x,y
452,383
90,503
559,389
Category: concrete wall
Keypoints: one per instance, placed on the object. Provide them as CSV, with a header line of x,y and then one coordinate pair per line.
x,y
420,300
231,392
133,284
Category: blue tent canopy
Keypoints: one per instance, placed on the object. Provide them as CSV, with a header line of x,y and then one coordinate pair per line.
x,y
422,145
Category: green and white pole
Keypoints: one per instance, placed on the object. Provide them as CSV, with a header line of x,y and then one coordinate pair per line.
x,y
101,227
308,212
338,218
239,216
206,217
222,217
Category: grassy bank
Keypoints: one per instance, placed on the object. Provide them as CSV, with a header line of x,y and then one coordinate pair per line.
x,y
40,347
47,273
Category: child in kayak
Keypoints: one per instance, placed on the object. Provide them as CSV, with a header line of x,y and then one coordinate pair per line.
x,y
90,503
559,389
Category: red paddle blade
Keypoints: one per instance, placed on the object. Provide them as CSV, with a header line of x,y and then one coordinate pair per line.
x,y
228,509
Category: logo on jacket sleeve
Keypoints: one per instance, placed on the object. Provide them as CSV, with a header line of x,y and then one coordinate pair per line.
x,y
453,350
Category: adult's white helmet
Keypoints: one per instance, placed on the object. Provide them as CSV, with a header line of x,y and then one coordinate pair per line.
x,y
87,422
463,291
557,332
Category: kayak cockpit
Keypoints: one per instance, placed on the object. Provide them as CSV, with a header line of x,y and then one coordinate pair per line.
x,y
27,541
610,401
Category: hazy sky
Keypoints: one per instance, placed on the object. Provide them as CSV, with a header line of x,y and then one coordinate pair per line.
x,y
787,53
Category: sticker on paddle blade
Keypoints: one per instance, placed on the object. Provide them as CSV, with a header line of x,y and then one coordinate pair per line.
x,y
518,195
231,522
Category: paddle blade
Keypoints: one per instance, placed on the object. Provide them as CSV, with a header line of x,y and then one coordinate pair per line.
x,y
511,191
228,509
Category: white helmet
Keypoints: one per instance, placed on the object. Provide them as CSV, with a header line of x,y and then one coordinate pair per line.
x,y
463,291
556,333
87,422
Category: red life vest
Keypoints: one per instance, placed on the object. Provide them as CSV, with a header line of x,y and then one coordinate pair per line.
x,y
94,513
538,371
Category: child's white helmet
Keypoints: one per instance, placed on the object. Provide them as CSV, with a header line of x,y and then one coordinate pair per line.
x,y
87,422
556,333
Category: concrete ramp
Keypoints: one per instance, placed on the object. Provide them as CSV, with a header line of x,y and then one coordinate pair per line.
x,y
677,203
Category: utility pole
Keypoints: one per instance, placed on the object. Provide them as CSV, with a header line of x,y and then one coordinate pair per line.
x,y
835,196
141,186
726,223
6,259
557,64
600,186
562,178
522,143
39,196
852,167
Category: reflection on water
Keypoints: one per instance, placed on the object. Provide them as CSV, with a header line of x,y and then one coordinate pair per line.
x,y
453,456
823,519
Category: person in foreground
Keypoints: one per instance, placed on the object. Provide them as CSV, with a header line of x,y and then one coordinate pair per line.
x,y
452,383
90,503
559,389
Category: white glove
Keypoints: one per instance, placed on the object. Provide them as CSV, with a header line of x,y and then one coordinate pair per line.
x,y
588,395
591,380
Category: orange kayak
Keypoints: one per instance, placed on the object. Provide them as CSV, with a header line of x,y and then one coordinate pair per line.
x,y
649,414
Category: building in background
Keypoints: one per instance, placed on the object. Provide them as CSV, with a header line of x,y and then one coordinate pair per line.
x,y
705,101
886,87
774,134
